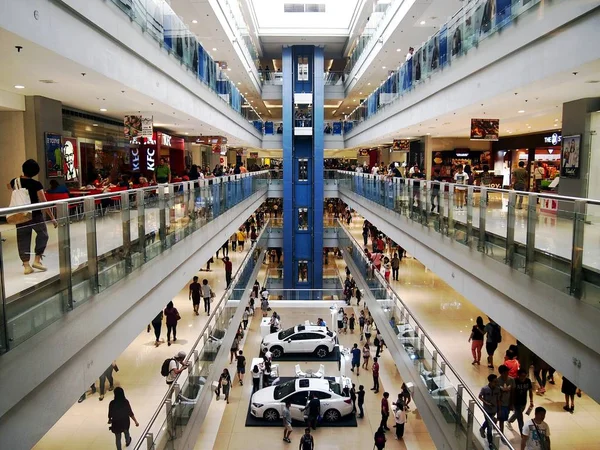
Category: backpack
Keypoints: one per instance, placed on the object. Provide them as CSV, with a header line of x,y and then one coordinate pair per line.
x,y
496,333
164,369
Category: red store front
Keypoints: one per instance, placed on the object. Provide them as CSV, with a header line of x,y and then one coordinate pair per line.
x,y
145,155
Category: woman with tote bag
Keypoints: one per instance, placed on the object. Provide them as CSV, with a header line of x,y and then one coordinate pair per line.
x,y
28,222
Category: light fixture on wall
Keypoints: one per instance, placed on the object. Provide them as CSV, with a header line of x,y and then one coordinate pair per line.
x,y
103,110
19,86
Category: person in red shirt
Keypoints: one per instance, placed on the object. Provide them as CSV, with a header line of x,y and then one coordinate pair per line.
x,y
228,270
375,370
385,411
511,361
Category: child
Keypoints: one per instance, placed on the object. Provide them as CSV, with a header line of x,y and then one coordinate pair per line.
x,y
387,267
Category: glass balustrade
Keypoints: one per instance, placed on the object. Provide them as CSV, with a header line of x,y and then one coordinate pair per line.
x,y
190,390
157,19
459,405
98,240
557,246
466,30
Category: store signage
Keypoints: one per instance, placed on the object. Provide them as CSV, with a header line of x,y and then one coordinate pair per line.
x,y
570,156
135,159
254,155
147,126
150,158
211,140
132,126
485,129
553,139
53,145
70,159
165,140
401,145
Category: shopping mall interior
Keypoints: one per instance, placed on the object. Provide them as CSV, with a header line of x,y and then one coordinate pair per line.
x,y
252,223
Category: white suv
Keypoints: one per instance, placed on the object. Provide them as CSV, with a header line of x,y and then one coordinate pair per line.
x,y
268,403
300,339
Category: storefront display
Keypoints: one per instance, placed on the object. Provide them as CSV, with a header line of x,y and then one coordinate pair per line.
x,y
445,163
53,145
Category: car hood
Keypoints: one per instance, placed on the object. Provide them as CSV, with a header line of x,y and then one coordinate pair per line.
x,y
270,338
265,395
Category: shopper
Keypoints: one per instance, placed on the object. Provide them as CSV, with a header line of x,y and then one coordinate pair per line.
x,y
400,419
340,320
520,178
241,366
489,396
172,367
157,325
233,240
540,370
366,352
523,388
406,397
461,179
476,340
162,172
173,317
355,359
228,270
387,269
395,266
361,323
570,390
241,239
379,439
207,294
36,223
535,434
224,384
375,376
107,374
194,295
287,421
234,348
255,378
225,248
506,384
119,412
351,323
353,397
367,331
493,334
511,361
385,410
361,400
306,441
314,410
245,315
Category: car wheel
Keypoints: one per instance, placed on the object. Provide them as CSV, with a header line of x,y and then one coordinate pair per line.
x,y
277,352
331,415
271,415
322,352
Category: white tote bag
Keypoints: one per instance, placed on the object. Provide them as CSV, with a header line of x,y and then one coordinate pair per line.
x,y
19,197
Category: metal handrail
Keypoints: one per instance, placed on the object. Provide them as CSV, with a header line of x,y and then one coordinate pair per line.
x,y
79,200
226,294
436,348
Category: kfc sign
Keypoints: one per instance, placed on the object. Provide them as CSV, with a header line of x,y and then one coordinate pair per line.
x,y
135,159
150,159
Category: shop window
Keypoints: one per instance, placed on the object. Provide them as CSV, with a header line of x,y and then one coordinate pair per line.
x,y
303,170
303,219
303,271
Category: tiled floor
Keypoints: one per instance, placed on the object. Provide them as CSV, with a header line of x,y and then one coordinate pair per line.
x,y
84,426
448,318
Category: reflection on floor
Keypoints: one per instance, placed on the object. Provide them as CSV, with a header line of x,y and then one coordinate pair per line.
x,y
224,426
84,426
448,318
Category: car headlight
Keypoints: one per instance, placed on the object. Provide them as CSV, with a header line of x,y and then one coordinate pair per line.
x,y
257,405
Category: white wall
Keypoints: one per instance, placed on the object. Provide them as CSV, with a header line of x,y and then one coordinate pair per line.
x,y
594,165
12,146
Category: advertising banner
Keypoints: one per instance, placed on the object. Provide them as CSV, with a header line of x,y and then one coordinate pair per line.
x,y
54,162
132,126
569,164
401,145
485,129
254,155
363,152
70,153
147,126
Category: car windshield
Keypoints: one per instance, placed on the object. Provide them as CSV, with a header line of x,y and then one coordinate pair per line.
x,y
284,389
286,333
335,387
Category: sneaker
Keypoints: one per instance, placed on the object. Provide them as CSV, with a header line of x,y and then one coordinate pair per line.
x,y
509,425
27,270
110,388
82,398
169,343
39,266
128,442
566,408
482,433
101,398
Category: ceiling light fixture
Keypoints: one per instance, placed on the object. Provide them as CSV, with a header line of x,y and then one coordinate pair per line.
x,y
368,84
383,67
194,21
103,109
360,93
229,69
214,49
18,86
398,49
422,22
239,82
94,124
521,111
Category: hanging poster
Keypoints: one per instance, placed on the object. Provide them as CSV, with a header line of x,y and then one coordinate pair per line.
x,y
486,14
470,33
570,156
485,129
434,54
503,13
455,38
132,126
401,145
443,46
147,127
363,152
70,153
53,146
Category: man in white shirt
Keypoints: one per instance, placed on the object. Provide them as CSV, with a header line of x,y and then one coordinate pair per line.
x,y
174,368
359,169
535,434
410,53
375,170
461,179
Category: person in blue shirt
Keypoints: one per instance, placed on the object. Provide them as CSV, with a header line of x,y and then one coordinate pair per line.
x,y
356,353
56,188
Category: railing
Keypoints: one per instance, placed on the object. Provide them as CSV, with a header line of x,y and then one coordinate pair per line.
x,y
365,40
119,232
551,238
157,19
175,409
459,404
270,78
330,127
473,23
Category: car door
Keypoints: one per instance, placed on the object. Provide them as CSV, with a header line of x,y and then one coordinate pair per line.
x,y
313,340
298,402
325,398
296,343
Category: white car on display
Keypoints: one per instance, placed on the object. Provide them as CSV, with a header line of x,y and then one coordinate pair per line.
x,y
268,403
300,339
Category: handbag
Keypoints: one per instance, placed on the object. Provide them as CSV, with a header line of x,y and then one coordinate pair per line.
x,y
19,197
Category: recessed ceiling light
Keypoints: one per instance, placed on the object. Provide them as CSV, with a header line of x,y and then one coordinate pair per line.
x,y
18,86
398,49
529,127
229,69
245,93
556,120
103,109
194,21
94,124
422,22
428,134
368,84
239,82
521,111
555,124
360,93
383,67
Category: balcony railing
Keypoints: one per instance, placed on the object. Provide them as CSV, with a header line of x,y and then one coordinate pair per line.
x,y
473,23
98,240
157,19
330,127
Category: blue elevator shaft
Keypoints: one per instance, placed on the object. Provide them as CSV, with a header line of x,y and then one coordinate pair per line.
x,y
303,115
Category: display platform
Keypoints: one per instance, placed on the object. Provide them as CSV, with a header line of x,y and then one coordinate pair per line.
x,y
251,421
333,356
